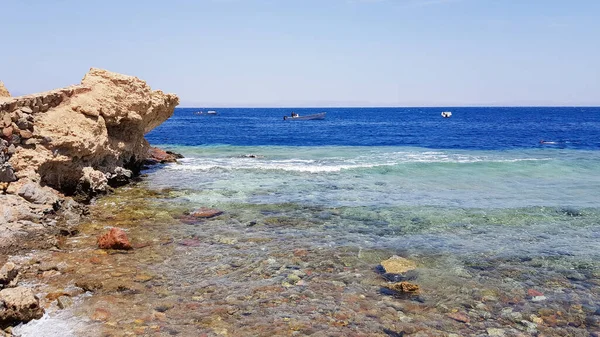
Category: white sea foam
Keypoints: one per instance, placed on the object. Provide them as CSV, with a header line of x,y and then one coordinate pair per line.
x,y
50,326
336,164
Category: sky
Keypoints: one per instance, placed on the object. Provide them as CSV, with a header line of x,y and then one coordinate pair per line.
x,y
295,53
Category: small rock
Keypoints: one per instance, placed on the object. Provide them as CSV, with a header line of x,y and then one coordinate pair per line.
x,y
101,314
397,265
538,298
534,293
460,317
7,174
293,278
30,141
204,212
64,302
495,332
45,266
114,239
403,287
156,155
8,273
535,319
89,284
7,132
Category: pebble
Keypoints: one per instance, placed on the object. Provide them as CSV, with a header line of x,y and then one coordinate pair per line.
x,y
495,332
460,317
64,302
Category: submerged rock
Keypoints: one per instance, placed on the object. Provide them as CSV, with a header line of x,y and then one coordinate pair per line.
x,y
19,305
404,287
397,265
116,238
204,212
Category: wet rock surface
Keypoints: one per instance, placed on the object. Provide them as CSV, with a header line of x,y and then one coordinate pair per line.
x,y
116,238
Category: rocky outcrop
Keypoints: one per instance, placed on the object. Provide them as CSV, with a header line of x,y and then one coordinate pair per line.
x,y
76,141
98,125
3,91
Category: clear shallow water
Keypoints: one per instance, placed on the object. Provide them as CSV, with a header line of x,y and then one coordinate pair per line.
x,y
486,211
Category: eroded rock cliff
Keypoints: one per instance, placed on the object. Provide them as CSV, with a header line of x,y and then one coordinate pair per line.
x,y
69,138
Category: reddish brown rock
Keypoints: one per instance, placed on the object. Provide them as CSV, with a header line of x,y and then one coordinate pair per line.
x,y
460,317
204,212
114,239
534,293
26,134
7,132
156,155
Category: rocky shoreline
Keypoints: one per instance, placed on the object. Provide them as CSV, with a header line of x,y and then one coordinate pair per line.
x,y
58,150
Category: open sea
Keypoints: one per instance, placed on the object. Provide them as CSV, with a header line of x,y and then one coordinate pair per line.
x,y
499,208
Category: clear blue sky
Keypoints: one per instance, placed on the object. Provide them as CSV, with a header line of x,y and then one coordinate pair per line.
x,y
314,52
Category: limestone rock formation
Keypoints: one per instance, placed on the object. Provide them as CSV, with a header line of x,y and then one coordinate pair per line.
x,y
99,124
3,91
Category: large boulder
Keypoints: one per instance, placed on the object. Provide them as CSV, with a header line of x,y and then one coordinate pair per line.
x,y
19,305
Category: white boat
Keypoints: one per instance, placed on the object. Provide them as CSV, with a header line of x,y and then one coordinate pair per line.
x,y
446,114
296,117
202,113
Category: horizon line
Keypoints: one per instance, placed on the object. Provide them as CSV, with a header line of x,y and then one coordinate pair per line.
x,y
389,106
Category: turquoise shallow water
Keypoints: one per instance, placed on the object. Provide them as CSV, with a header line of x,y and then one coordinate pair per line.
x,y
457,201
390,176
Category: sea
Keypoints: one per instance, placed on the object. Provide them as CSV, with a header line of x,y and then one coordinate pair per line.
x,y
497,207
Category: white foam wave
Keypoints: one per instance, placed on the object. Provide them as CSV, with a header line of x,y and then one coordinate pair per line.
x,y
336,164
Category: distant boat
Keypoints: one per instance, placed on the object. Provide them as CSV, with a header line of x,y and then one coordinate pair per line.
x,y
202,113
296,117
446,114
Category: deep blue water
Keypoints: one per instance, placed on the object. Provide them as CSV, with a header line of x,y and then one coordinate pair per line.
x,y
485,128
